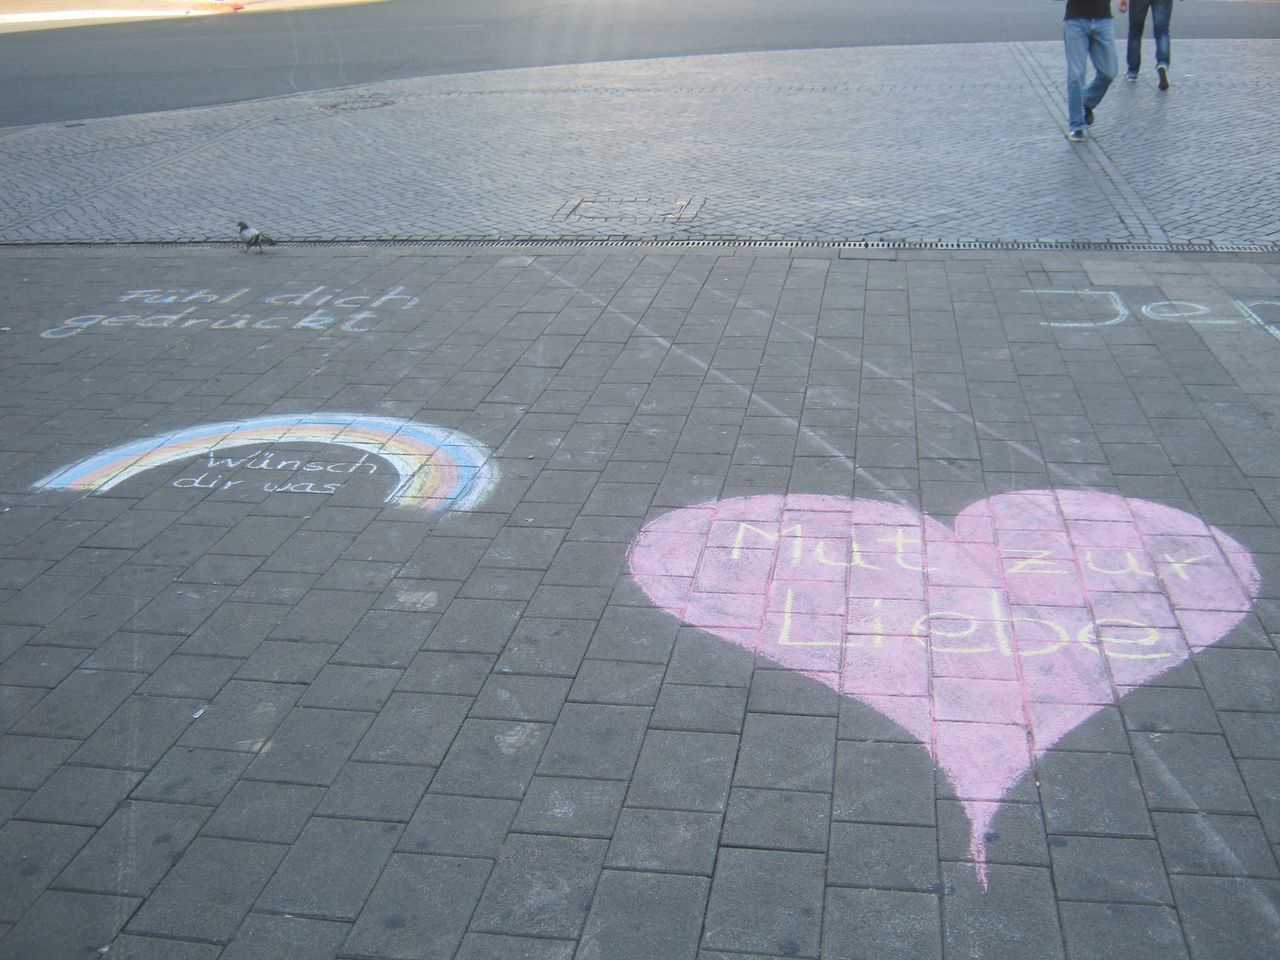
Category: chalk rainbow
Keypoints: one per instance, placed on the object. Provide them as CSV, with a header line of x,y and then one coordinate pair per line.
x,y
437,467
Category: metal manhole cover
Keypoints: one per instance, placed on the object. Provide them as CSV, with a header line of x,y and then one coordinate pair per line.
x,y
358,103
631,209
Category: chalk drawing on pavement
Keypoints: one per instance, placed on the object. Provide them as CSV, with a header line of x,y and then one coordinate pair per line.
x,y
1114,302
987,642
435,467
1264,313
321,308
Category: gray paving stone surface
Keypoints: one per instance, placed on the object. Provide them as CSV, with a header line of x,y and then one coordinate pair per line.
x,y
258,701
927,143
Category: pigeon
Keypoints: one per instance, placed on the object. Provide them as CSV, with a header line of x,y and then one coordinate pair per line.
x,y
253,237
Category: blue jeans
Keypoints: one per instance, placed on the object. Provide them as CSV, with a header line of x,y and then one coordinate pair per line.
x,y
1087,40
1161,11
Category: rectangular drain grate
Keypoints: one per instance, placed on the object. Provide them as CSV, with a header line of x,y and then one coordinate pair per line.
x,y
623,240
630,209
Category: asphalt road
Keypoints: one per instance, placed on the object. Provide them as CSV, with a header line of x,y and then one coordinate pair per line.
x,y
95,71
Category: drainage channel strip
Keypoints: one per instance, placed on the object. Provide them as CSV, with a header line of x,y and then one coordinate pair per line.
x,y
649,243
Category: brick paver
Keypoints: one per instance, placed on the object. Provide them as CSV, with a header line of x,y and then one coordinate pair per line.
x,y
243,710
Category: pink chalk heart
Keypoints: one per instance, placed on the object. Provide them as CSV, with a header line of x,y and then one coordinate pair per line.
x,y
987,642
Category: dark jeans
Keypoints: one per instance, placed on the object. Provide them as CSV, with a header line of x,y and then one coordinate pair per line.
x,y
1161,11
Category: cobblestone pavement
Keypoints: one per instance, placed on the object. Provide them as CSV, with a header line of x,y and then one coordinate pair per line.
x,y
578,604
927,143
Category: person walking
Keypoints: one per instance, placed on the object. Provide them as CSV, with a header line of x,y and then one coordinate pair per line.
x,y
1161,11
1089,34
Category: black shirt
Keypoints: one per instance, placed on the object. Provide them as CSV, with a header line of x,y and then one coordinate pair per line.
x,y
1088,10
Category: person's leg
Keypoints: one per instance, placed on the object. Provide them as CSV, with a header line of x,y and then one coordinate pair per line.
x,y
1161,14
1137,24
1102,51
1075,40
